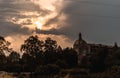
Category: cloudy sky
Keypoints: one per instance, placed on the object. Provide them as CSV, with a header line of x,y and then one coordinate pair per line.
x,y
62,20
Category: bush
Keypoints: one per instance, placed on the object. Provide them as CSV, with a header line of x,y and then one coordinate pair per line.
x,y
49,69
14,68
61,64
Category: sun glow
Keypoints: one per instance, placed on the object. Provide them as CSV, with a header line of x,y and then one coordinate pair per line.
x,y
38,24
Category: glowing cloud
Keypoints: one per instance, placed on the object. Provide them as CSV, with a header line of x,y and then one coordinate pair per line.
x,y
45,15
38,24
49,16
54,8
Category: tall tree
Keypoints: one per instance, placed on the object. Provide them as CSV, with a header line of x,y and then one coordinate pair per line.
x,y
50,51
4,48
32,50
50,45
32,46
14,57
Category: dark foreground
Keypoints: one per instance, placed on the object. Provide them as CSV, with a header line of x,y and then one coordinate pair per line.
x,y
113,72
46,59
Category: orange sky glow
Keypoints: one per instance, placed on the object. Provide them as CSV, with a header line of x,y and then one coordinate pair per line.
x,y
37,20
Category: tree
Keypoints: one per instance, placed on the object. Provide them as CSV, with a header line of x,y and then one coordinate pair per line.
x,y
98,59
70,56
14,57
32,46
50,51
33,49
50,45
4,48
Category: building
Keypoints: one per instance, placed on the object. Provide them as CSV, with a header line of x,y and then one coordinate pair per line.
x,y
85,49
81,47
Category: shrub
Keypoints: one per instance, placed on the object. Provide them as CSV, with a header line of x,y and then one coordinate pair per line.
x,y
47,69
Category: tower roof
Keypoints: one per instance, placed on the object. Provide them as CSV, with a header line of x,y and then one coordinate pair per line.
x,y
80,36
80,41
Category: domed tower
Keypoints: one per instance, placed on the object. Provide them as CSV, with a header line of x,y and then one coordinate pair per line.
x,y
81,47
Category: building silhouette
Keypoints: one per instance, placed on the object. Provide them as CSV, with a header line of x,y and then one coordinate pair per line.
x,y
85,49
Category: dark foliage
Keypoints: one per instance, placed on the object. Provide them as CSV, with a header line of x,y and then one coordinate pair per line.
x,y
98,59
48,58
47,69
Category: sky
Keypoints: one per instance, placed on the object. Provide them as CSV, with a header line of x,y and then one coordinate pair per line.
x,y
62,20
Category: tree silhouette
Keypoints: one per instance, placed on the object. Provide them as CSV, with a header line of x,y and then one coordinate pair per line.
x,y
50,51
4,48
32,50
50,45
98,59
70,57
14,57
32,46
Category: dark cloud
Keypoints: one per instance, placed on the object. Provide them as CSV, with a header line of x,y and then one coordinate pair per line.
x,y
97,20
12,9
8,29
51,31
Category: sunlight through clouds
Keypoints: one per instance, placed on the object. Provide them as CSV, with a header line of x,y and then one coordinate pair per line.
x,y
31,14
46,13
